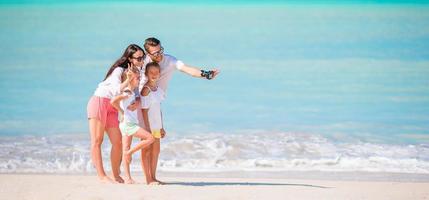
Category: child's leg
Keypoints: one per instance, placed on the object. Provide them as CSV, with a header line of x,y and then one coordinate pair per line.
x,y
126,143
147,139
156,146
146,164
144,145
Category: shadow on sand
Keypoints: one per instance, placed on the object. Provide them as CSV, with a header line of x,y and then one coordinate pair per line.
x,y
240,184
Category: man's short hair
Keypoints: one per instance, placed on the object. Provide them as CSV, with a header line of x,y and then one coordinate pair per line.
x,y
153,42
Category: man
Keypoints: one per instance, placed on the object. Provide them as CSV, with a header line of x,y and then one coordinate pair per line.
x,y
169,64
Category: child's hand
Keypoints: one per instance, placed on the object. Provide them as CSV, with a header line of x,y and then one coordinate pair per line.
x,y
163,133
135,105
121,115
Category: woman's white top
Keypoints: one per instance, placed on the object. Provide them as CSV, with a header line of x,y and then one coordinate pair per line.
x,y
110,87
152,102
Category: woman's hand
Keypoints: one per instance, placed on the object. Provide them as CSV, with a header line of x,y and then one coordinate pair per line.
x,y
130,73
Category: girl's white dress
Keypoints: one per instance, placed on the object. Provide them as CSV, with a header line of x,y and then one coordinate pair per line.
x,y
152,102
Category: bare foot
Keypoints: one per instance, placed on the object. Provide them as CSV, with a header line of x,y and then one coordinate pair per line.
x,y
160,182
119,179
106,179
129,181
148,181
154,183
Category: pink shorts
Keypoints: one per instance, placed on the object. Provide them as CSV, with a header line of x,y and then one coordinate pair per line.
x,y
101,109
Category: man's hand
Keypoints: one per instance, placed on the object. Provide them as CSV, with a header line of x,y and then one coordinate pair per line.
x,y
197,71
215,72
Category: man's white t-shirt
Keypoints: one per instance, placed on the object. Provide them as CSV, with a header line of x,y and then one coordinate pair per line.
x,y
168,65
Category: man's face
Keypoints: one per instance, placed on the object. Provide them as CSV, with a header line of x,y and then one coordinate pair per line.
x,y
155,53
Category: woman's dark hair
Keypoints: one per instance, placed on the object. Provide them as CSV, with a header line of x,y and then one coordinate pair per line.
x,y
151,64
123,61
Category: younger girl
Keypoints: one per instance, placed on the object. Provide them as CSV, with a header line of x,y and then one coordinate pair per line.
x,y
151,97
127,104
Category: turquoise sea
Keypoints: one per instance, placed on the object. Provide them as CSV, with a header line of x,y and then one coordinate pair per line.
x,y
304,86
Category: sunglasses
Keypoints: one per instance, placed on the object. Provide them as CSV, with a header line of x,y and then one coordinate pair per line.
x,y
158,53
139,59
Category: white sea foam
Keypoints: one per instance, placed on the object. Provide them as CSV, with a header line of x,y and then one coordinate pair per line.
x,y
220,152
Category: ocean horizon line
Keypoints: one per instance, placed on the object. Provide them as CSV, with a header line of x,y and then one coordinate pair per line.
x,y
222,2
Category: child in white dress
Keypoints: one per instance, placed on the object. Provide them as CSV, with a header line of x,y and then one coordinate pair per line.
x,y
151,98
128,106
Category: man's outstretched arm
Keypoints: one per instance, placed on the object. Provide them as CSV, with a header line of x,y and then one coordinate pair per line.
x,y
196,72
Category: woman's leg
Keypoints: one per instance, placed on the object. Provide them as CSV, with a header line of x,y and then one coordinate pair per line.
x,y
126,143
96,129
154,158
116,152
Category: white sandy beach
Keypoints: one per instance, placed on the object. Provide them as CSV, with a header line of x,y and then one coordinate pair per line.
x,y
44,186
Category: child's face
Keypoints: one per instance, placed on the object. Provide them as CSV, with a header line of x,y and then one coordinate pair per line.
x,y
153,74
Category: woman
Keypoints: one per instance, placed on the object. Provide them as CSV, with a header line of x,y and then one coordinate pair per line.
x,y
103,117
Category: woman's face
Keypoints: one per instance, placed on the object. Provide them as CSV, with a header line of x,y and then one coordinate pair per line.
x,y
137,59
153,74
